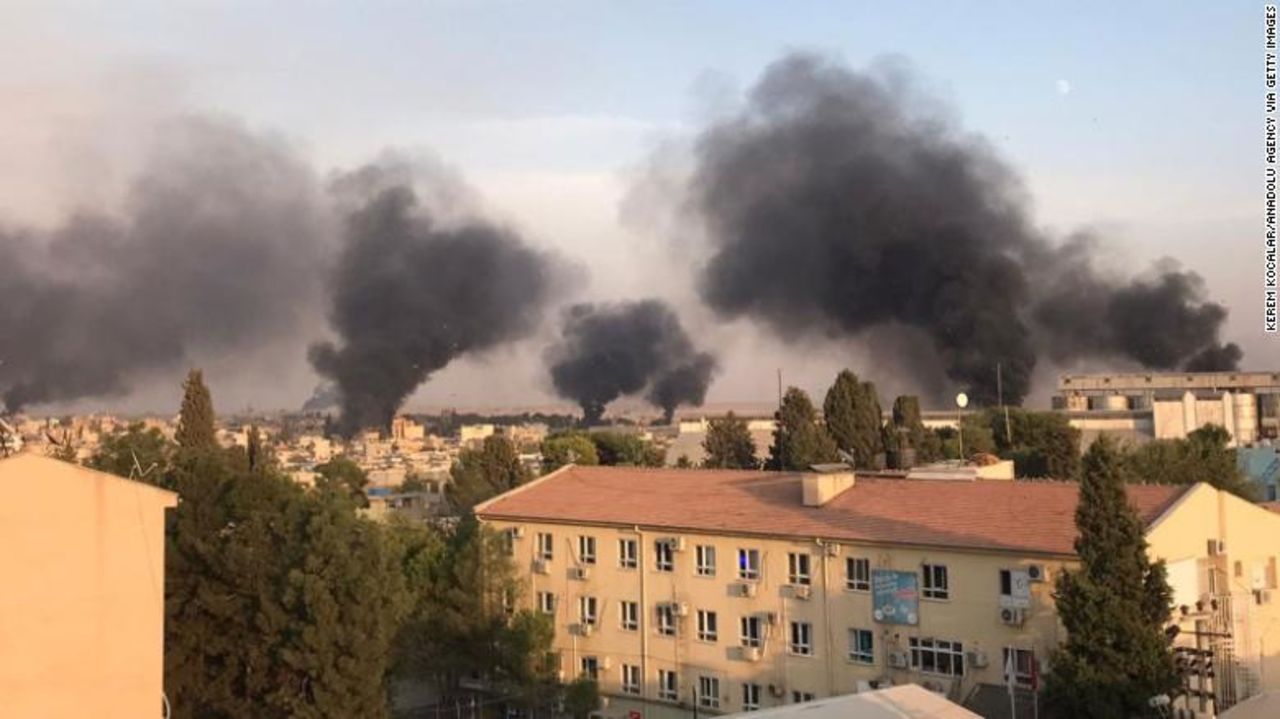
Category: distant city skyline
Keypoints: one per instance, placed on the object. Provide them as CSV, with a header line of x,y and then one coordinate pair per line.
x,y
1140,122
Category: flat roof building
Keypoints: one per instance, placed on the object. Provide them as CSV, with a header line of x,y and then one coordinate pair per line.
x,y
739,590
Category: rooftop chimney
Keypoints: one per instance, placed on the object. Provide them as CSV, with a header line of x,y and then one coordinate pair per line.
x,y
824,482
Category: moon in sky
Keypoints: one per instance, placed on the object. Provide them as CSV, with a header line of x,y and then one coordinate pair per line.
x,y
1064,87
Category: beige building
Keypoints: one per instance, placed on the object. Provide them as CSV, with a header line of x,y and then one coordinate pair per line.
x,y
743,590
81,592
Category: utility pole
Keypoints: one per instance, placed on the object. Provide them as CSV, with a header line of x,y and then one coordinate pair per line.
x,y
1008,433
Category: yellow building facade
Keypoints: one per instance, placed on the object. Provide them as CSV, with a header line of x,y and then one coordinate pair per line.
x,y
735,591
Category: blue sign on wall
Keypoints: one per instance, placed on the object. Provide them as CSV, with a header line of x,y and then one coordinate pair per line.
x,y
895,596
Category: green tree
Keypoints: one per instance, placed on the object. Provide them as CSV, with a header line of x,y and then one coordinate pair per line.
x,y
581,697
851,413
1113,607
620,449
729,444
1202,457
907,442
1041,444
568,448
138,452
978,437
342,474
485,472
798,441
256,453
195,420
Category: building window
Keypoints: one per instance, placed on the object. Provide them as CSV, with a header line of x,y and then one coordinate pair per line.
x,y
801,639
664,556
509,542
546,546
627,554
751,634
667,620
1023,665
546,602
799,697
591,668
750,697
862,646
630,615
709,692
857,574
798,568
937,656
707,626
587,549
935,584
587,610
630,679
509,601
668,685
748,564
706,555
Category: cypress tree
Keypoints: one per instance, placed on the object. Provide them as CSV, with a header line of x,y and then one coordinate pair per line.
x,y
729,444
798,441
1113,607
195,421
851,412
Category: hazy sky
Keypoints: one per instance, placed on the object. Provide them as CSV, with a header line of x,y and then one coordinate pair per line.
x,y
1141,120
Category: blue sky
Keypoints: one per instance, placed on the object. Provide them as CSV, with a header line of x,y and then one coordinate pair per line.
x,y
1141,119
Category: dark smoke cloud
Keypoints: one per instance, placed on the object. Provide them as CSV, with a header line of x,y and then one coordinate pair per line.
x,y
415,289
607,351
836,201
215,252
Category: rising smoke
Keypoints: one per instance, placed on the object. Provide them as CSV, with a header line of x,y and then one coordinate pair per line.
x,y
607,351
216,252
837,201
415,289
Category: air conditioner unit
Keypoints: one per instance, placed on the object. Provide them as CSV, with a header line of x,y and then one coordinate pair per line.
x,y
978,659
540,566
517,532
744,589
580,573
680,609
1013,616
801,591
583,629
769,618
1262,596
832,550
1217,547
606,664
676,543
898,660
751,654
1037,573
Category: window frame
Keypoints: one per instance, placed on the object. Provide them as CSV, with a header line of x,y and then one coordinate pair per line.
x,y
593,672
548,603
1020,678
748,638
631,684
545,549
668,685
708,691
708,626
666,619
591,617
953,651
796,647
748,564
751,693
628,553
929,582
702,567
585,542
800,568
857,653
851,582
628,615
664,556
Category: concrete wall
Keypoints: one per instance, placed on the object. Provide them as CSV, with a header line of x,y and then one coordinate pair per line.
x,y
81,592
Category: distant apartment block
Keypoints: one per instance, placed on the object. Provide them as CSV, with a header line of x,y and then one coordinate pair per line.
x,y
1169,405
81,592
734,591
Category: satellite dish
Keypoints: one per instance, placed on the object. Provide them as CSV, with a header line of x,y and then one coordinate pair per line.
x,y
962,400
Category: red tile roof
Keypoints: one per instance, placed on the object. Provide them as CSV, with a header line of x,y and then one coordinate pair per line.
x,y
1034,517
1272,506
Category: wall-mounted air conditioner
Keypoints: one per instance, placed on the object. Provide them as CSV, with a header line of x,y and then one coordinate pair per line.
x,y
1037,573
978,659
832,550
801,591
680,609
744,589
517,532
580,573
583,629
899,660
540,566
1013,616
751,654
769,618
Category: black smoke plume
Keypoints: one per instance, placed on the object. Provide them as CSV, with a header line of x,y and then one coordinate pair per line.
x,y
214,253
837,201
412,292
607,351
